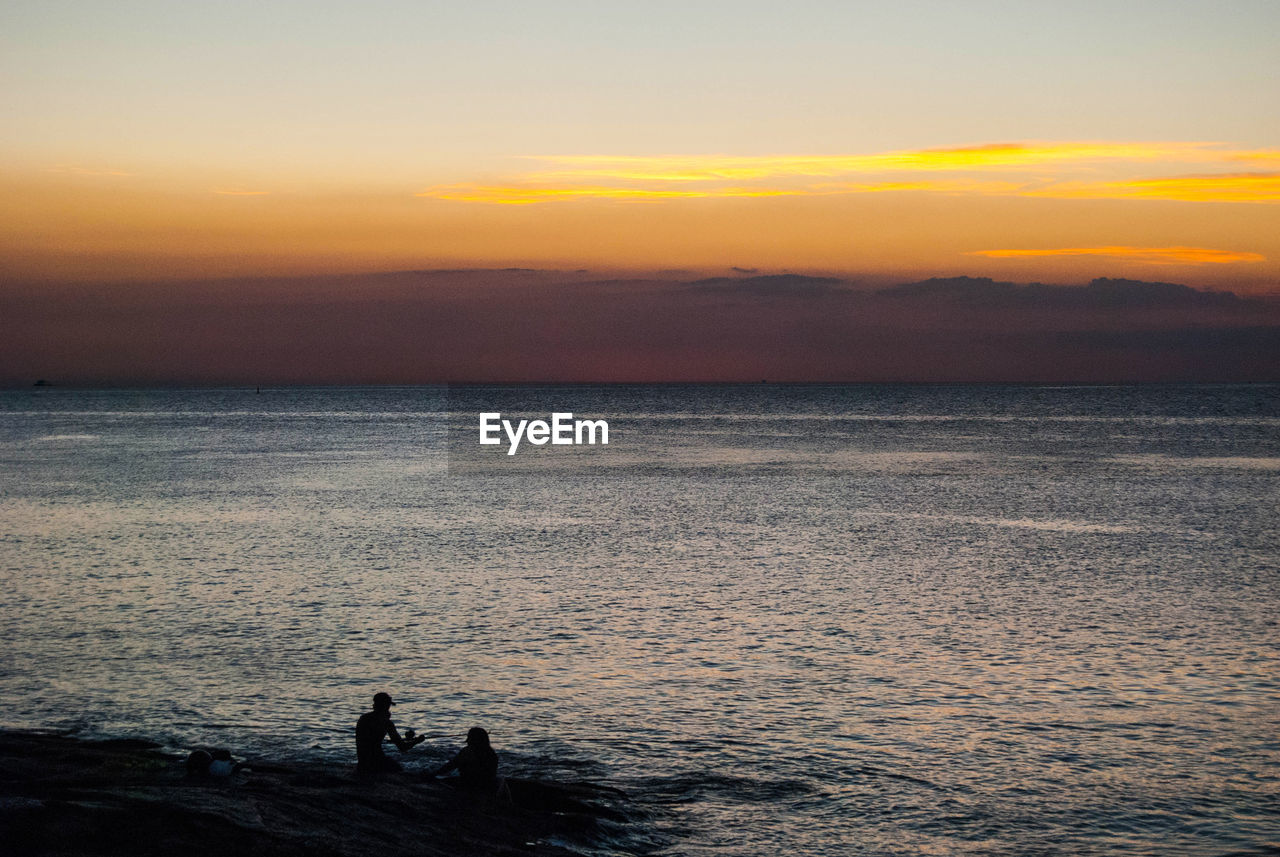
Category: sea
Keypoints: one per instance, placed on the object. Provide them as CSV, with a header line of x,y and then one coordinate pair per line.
x,y
777,619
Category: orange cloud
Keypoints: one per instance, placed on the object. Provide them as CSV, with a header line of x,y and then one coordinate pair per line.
x,y
1002,188
1223,187
685,168
1155,255
1063,170
1266,156
222,192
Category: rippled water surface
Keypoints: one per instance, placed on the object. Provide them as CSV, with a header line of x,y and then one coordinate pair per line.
x,y
812,620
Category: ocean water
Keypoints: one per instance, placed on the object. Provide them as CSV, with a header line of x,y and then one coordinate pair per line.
x,y
783,619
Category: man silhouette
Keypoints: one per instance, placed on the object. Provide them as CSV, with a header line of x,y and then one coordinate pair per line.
x,y
371,728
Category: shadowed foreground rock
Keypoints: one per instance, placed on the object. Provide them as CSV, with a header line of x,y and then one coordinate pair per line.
x,y
62,796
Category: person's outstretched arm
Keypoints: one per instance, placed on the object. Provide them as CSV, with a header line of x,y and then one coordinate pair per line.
x,y
405,744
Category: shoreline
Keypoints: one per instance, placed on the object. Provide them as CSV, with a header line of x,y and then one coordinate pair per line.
x,y
68,796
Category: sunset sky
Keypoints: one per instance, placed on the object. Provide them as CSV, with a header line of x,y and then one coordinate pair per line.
x,y
879,143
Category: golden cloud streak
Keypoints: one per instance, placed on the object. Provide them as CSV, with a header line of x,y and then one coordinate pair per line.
x,y
1044,169
1266,156
681,168
1155,255
1224,187
988,187
222,192
1240,187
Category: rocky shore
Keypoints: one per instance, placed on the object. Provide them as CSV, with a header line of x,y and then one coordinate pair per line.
x,y
64,796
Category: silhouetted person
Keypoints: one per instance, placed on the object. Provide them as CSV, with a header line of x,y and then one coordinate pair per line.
x,y
476,763
223,764
198,764
212,764
371,728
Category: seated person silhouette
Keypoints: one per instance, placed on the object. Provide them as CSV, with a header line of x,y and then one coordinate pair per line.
x,y
477,766
371,728
205,764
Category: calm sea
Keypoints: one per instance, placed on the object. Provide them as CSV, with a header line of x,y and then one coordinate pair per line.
x,y
783,619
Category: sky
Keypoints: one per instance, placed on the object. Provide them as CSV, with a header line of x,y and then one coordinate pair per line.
x,y
878,143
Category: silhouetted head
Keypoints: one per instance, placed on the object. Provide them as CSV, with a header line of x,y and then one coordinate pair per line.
x,y
382,702
478,738
198,763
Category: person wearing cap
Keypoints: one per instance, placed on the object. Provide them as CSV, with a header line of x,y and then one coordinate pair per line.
x,y
371,728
